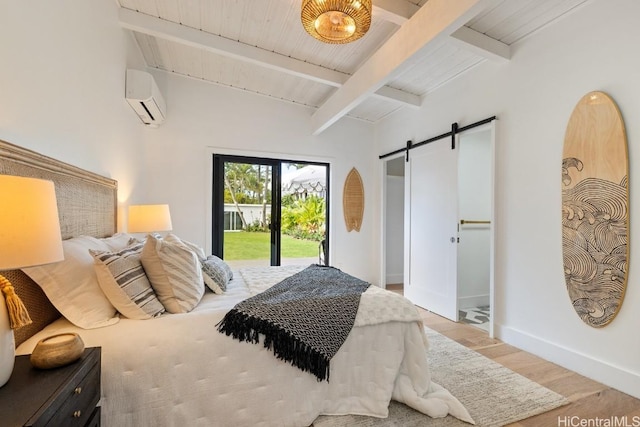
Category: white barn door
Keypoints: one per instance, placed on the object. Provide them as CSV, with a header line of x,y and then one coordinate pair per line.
x,y
431,228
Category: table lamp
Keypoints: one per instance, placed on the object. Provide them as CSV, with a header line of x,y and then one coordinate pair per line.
x,y
29,236
149,218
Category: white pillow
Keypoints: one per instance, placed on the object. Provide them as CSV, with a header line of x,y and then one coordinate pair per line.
x,y
175,274
72,286
118,241
124,282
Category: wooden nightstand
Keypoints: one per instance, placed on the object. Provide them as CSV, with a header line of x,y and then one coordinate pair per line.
x,y
66,396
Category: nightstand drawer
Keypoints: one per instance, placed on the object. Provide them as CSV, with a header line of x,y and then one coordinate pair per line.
x,y
51,397
78,401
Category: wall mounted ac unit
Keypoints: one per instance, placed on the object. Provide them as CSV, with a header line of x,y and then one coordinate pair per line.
x,y
142,93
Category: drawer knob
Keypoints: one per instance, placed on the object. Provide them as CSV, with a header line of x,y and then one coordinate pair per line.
x,y
77,414
78,390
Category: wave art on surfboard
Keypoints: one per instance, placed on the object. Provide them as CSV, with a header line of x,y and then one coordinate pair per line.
x,y
595,209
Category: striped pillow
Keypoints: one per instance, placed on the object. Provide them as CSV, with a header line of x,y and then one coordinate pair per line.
x,y
175,274
195,248
124,282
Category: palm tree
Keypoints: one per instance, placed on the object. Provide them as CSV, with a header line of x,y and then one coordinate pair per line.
x,y
235,181
248,183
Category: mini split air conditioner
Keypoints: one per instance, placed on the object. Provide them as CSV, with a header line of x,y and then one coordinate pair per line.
x,y
142,93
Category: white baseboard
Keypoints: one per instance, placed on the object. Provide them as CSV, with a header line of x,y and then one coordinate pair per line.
x,y
598,370
473,301
395,278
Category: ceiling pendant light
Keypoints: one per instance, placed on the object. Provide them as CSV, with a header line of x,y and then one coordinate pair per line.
x,y
336,21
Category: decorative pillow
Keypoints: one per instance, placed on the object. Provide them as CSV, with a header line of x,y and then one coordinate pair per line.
x,y
175,274
124,282
216,274
195,248
72,286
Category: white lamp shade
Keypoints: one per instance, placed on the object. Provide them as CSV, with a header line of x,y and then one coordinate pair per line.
x,y
149,218
29,224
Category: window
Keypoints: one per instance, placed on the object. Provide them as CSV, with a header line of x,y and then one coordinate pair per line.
x,y
269,211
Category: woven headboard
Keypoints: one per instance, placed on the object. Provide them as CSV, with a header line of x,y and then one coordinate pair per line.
x,y
87,205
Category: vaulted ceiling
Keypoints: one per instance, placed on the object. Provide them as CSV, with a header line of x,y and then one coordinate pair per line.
x,y
260,46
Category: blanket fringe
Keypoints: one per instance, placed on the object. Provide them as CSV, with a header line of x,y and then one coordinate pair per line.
x,y
284,345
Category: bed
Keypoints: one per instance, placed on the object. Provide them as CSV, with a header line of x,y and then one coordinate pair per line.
x,y
178,369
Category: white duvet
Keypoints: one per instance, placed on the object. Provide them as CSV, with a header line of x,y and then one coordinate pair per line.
x,y
178,370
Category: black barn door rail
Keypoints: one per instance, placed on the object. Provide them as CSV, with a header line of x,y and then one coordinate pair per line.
x,y
452,133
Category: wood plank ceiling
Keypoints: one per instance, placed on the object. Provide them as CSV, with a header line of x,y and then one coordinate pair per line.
x,y
259,46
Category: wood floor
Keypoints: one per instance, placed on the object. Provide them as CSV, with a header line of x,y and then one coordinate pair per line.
x,y
590,400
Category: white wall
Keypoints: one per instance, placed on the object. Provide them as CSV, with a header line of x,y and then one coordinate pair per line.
x,y
533,96
474,204
62,86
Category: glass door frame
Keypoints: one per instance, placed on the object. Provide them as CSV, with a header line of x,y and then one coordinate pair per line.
x,y
217,202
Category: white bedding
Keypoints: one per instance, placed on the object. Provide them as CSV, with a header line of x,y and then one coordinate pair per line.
x,y
178,370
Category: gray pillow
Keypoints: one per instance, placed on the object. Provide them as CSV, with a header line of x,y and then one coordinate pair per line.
x,y
216,274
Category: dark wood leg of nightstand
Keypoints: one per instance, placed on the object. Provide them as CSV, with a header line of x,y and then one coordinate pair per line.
x,y
94,419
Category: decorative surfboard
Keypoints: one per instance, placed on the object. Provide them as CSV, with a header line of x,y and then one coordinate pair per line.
x,y
353,200
595,209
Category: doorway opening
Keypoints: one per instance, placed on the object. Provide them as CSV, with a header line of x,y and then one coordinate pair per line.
x,y
394,227
446,214
269,211
475,202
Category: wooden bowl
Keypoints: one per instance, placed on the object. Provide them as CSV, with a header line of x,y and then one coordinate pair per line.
x,y
57,350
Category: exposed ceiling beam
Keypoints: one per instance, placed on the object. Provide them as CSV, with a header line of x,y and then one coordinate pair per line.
x,y
177,33
481,44
188,36
434,20
400,11
396,11
387,92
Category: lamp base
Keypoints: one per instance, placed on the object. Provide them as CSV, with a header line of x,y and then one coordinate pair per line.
x,y
7,344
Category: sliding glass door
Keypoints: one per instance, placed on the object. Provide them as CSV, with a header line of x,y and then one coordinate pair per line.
x,y
269,211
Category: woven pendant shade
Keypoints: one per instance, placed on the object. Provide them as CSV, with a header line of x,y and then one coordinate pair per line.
x,y
336,21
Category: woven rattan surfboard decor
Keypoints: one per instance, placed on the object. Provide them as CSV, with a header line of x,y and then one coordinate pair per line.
x,y
595,209
353,200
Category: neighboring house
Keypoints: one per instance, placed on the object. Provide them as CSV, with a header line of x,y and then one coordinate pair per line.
x,y
252,214
61,94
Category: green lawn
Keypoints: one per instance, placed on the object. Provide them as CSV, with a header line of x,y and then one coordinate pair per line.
x,y
255,245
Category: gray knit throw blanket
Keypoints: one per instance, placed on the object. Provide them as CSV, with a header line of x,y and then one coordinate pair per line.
x,y
304,319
